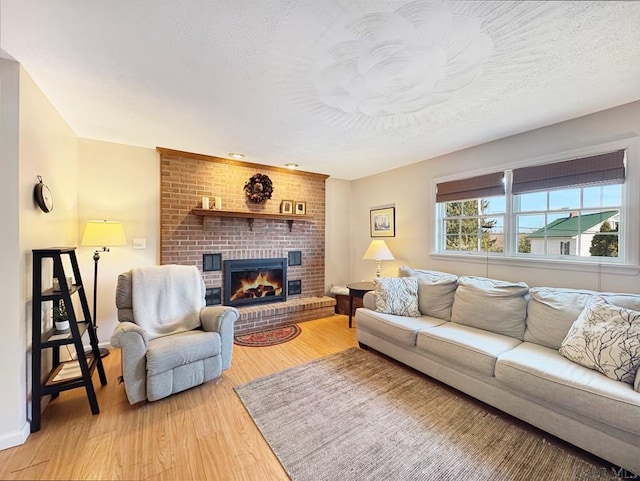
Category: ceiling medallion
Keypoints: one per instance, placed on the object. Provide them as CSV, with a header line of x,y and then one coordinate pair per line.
x,y
400,62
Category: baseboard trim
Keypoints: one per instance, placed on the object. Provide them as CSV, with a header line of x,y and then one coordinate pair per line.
x,y
15,438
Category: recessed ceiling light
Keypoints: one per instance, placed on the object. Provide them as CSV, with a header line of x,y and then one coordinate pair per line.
x,y
236,155
291,165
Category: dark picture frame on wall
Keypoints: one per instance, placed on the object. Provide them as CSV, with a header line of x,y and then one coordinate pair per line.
x,y
383,222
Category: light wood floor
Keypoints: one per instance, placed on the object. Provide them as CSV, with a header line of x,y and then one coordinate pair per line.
x,y
201,434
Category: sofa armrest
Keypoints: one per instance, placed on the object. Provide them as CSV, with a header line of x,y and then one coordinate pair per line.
x,y
369,300
636,385
221,319
133,341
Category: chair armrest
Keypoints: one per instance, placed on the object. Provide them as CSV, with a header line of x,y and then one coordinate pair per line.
x,y
126,332
133,341
221,319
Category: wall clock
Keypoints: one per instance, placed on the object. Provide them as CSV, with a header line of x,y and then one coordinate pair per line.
x,y
43,196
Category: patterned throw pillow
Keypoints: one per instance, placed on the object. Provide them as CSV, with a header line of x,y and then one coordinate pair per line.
x,y
397,295
605,338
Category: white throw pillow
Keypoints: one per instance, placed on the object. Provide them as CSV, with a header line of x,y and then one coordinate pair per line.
x,y
605,338
397,295
435,291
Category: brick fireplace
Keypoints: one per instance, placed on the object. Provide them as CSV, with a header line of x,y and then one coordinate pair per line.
x,y
187,235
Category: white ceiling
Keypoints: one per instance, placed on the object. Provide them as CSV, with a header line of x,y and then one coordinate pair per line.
x,y
342,87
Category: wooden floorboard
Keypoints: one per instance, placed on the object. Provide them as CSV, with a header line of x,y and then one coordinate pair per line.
x,y
202,433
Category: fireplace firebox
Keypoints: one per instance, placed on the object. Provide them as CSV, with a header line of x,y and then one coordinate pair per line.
x,y
253,281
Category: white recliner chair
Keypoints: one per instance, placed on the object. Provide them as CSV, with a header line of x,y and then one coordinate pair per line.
x,y
170,340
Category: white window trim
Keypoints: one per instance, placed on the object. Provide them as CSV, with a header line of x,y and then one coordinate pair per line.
x,y
631,202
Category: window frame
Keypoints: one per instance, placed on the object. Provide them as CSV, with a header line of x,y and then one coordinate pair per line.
x,y
629,236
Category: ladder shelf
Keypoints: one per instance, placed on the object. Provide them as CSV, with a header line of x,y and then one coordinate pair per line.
x,y
76,373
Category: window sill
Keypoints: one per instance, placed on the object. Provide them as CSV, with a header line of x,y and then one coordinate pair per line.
x,y
541,263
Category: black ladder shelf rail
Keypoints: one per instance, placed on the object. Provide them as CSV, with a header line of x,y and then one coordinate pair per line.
x,y
77,328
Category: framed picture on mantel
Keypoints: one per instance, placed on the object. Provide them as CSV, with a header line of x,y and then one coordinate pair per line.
x,y
301,207
286,207
383,222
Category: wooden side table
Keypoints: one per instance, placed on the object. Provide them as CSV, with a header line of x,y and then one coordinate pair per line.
x,y
357,289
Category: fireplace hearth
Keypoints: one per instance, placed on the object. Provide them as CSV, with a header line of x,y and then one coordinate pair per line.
x,y
254,281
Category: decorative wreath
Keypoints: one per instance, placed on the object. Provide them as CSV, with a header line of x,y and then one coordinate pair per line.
x,y
259,188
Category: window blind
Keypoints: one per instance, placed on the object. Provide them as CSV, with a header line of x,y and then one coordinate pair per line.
x,y
598,169
487,185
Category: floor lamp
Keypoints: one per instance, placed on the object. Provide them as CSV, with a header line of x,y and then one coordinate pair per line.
x,y
101,233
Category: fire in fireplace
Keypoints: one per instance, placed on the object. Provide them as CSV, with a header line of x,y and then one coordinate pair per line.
x,y
252,281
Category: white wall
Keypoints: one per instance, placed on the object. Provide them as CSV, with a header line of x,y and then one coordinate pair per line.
x,y
117,182
39,142
337,231
13,425
410,188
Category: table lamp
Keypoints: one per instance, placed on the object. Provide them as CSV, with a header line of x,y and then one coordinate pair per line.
x,y
378,251
101,233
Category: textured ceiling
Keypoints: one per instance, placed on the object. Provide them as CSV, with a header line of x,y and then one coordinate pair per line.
x,y
343,87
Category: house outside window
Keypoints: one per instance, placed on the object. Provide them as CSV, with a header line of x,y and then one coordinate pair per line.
x,y
568,210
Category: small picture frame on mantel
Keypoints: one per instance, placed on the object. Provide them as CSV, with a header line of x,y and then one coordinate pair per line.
x,y
286,207
301,207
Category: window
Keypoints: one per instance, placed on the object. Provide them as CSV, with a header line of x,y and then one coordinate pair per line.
x,y
473,213
579,222
475,225
571,209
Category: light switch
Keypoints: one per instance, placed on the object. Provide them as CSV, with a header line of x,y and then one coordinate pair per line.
x,y
139,243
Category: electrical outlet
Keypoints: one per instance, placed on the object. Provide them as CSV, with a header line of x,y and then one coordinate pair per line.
x,y
139,243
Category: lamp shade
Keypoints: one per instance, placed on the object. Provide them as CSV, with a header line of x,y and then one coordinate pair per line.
x,y
103,233
378,250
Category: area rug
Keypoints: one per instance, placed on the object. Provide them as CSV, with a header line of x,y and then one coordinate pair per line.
x,y
269,337
356,415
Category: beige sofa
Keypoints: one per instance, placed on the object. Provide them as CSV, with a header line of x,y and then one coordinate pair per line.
x,y
499,342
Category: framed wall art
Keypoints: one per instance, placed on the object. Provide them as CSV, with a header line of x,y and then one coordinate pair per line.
x,y
383,222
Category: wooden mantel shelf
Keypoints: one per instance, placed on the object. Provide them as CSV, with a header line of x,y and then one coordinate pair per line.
x,y
251,216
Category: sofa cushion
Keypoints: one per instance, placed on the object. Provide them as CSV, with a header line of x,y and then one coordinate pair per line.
x,y
435,291
471,348
628,301
169,352
606,338
492,305
542,373
551,312
397,295
397,329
